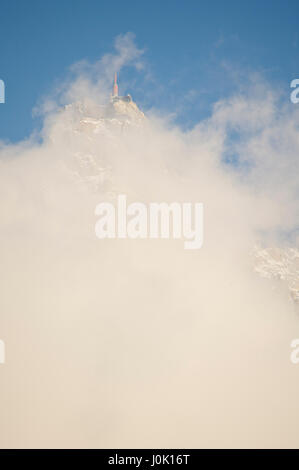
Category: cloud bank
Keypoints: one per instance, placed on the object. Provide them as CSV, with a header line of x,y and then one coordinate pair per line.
x,y
138,343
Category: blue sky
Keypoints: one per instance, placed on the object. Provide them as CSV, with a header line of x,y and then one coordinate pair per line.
x,y
197,51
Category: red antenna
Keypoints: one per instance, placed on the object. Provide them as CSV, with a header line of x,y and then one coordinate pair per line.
x,y
115,86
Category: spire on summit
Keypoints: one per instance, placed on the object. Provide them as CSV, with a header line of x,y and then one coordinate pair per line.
x,y
115,86
115,98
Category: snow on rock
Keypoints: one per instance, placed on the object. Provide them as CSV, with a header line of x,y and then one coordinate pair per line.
x,y
93,129
279,263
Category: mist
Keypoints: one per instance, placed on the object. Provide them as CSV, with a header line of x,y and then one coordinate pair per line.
x,y
140,343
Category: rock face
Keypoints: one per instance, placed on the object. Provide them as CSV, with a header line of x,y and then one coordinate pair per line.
x,y
279,263
117,115
125,110
93,138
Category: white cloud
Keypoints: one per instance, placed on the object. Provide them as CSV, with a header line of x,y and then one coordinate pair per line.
x,y
141,343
